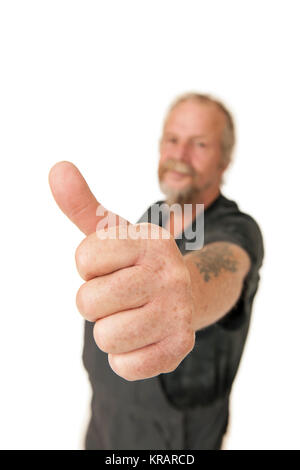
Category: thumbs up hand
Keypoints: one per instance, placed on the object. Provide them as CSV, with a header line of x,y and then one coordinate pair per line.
x,y
137,289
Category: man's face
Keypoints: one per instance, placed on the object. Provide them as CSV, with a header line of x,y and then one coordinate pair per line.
x,y
190,151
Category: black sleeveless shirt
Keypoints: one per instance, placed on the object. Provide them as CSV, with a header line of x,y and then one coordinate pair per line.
x,y
186,408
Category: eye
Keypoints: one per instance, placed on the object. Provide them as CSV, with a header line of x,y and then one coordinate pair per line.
x,y
200,144
170,140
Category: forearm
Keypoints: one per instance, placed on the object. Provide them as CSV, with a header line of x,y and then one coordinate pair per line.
x,y
217,273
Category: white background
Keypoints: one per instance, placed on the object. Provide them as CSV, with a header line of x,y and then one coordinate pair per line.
x,y
89,82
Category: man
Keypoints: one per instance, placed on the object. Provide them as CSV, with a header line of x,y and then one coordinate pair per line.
x,y
166,326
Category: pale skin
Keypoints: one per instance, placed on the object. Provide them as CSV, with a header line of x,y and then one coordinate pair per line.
x,y
147,300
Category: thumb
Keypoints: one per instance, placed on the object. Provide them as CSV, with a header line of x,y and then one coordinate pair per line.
x,y
75,199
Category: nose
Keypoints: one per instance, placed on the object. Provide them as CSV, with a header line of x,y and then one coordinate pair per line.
x,y
181,152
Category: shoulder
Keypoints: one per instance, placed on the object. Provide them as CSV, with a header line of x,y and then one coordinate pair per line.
x,y
226,222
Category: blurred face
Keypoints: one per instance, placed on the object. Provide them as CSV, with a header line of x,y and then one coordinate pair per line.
x,y
190,151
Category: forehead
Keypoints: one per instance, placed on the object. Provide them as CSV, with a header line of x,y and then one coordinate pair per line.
x,y
195,118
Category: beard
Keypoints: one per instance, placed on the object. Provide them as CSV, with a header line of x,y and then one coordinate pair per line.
x,y
178,196
183,195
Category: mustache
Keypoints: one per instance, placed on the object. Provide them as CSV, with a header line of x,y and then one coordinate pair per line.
x,y
177,166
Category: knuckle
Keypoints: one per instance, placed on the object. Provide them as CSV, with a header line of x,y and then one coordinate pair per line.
x,y
186,277
172,355
190,344
182,277
186,317
117,365
172,361
171,366
81,259
80,300
84,302
127,376
101,338
185,343
178,277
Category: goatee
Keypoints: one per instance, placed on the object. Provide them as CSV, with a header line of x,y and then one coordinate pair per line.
x,y
178,196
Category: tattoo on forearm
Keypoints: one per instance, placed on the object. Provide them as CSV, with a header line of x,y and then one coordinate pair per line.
x,y
211,261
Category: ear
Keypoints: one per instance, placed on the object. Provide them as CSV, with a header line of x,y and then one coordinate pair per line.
x,y
224,164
